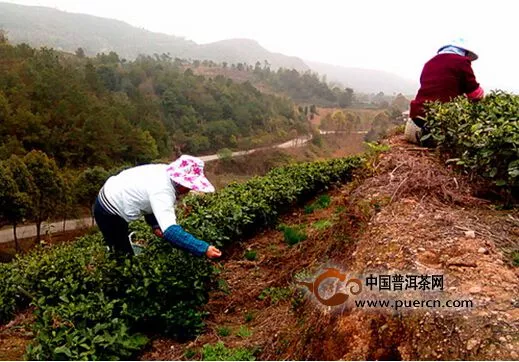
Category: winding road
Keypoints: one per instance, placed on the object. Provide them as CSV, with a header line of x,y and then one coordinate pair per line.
x,y
296,142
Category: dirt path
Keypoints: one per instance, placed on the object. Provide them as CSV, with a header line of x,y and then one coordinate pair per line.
x,y
413,215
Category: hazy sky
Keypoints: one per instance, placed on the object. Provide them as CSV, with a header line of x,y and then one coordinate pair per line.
x,y
397,36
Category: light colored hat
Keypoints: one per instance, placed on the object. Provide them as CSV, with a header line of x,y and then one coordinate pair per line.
x,y
188,171
462,44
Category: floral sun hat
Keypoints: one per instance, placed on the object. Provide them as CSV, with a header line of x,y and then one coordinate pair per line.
x,y
188,171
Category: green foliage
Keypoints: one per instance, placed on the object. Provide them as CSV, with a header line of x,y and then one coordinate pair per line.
x,y
339,121
225,154
190,353
244,332
102,111
322,202
16,185
223,331
375,148
304,87
379,128
275,294
224,286
88,184
248,317
47,192
218,352
322,224
515,258
481,137
88,305
91,306
293,234
240,210
251,255
9,298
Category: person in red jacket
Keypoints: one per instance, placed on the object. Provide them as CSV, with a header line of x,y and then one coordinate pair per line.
x,y
446,76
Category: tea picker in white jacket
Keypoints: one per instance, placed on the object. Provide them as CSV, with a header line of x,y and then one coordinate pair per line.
x,y
151,190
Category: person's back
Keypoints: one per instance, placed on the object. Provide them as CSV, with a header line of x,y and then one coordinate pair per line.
x,y
443,78
446,76
128,191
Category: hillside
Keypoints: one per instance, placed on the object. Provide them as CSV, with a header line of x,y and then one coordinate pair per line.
x,y
129,111
365,80
427,251
259,308
43,26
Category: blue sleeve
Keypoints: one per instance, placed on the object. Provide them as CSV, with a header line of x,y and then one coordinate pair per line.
x,y
185,241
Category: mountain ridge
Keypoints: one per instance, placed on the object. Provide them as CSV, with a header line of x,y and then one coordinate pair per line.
x,y
44,26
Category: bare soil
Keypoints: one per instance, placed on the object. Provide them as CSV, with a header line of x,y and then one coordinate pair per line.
x,y
15,336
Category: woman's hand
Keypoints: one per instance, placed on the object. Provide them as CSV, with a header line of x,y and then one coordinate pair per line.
x,y
213,252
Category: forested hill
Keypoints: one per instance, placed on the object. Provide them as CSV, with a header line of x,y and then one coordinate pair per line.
x,y
104,111
43,26
303,87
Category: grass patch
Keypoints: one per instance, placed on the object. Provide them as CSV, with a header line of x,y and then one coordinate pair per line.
x,y
224,286
515,258
251,255
248,317
244,332
218,352
322,202
293,234
223,331
340,209
322,224
275,294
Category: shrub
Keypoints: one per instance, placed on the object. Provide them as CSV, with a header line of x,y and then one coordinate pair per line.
x,y
244,332
293,235
482,137
223,331
321,203
251,255
218,352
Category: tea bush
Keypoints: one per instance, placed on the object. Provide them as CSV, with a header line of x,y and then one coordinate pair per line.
x,y
483,136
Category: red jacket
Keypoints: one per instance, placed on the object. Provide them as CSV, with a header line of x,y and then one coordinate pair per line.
x,y
443,78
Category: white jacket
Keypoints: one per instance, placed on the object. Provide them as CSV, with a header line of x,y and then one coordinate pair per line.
x,y
141,190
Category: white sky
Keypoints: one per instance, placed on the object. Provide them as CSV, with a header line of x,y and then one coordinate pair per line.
x,y
398,36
